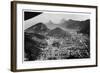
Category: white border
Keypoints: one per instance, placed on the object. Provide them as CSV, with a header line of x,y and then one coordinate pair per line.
x,y
55,63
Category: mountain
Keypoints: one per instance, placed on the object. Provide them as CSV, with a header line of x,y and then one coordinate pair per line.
x,y
58,33
51,25
80,26
70,24
39,28
85,27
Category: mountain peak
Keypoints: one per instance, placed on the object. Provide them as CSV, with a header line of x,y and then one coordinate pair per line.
x,y
58,29
58,33
37,28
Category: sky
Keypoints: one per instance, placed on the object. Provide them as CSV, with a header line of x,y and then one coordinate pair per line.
x,y
55,17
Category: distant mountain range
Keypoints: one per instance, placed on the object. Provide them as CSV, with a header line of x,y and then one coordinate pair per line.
x,y
51,28
74,24
79,26
41,29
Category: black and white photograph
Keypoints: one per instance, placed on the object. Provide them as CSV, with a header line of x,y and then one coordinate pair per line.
x,y
47,36
55,36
